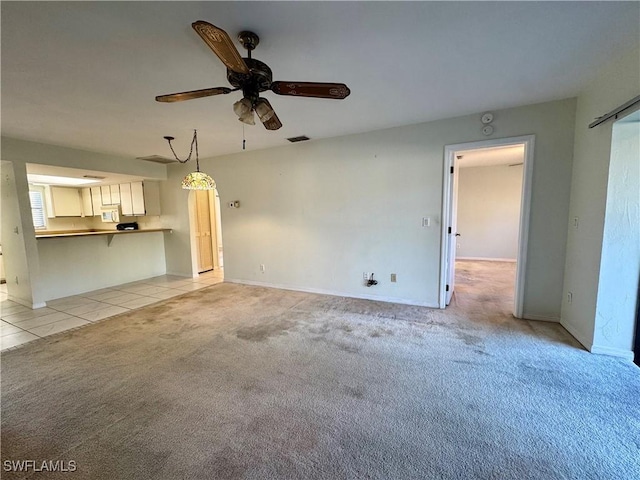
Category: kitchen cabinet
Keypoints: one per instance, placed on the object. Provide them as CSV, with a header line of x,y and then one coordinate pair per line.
x,y
96,199
115,194
137,198
126,202
105,193
87,204
65,202
140,198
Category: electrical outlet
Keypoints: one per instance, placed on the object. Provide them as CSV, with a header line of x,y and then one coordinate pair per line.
x,y
262,269
576,222
393,278
569,298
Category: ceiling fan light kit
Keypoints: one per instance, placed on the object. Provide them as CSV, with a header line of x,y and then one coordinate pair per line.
x,y
252,77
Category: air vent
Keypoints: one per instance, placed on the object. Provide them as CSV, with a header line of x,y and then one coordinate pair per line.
x,y
94,177
301,138
157,159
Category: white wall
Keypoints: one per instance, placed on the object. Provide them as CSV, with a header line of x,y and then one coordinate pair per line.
x,y
73,265
620,261
319,214
33,287
489,211
17,261
613,86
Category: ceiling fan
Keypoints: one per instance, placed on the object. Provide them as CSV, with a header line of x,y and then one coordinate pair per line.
x,y
252,77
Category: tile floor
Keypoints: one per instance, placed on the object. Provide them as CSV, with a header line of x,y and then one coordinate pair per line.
x,y
20,324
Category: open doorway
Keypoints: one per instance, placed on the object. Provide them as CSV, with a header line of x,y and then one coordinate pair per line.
x,y
486,198
206,235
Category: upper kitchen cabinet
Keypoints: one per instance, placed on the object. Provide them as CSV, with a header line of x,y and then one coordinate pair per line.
x,y
135,198
63,202
110,194
96,199
140,198
87,203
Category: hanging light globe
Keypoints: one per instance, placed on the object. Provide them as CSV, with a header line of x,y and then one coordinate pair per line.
x,y
198,181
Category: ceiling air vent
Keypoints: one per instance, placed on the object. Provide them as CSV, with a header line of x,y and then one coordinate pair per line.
x,y
94,177
301,138
157,159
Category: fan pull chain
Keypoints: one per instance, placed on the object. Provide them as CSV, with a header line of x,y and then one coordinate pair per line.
x,y
244,142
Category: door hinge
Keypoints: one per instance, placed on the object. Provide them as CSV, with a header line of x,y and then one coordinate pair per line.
x,y
451,169
447,289
449,231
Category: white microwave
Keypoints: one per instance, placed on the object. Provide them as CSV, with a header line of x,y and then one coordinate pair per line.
x,y
110,214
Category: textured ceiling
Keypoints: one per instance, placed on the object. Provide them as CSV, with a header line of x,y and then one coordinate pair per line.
x,y
85,74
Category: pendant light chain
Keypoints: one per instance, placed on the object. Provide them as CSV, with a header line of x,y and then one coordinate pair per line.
x,y
193,141
196,180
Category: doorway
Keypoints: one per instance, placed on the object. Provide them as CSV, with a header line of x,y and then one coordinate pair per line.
x,y
206,231
491,235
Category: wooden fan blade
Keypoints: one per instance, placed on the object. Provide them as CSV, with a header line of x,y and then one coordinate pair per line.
x,y
337,91
222,45
274,122
205,92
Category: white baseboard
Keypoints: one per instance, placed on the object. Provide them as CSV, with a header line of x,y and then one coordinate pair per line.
x,y
541,318
320,291
612,352
577,335
484,259
596,349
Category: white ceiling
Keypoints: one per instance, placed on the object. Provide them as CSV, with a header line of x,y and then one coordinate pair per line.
x,y
487,157
85,74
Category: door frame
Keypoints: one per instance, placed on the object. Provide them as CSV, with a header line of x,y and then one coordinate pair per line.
x,y
525,210
213,219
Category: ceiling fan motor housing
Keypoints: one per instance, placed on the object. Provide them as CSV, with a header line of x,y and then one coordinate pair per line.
x,y
258,81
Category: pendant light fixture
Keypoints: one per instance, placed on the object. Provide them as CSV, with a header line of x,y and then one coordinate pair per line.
x,y
195,180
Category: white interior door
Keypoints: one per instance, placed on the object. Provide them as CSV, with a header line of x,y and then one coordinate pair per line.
x,y
452,235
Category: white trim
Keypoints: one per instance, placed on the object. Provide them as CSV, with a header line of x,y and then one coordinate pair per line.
x,y
540,318
525,210
596,349
330,292
577,335
485,259
612,352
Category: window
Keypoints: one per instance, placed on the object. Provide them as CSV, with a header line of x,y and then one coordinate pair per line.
x,y
37,209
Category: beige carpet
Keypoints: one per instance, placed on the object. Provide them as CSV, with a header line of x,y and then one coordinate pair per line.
x,y
237,382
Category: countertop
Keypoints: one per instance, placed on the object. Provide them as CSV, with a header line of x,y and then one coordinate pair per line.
x,y
84,233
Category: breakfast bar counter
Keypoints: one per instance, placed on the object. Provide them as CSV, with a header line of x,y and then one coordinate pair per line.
x,y
83,233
